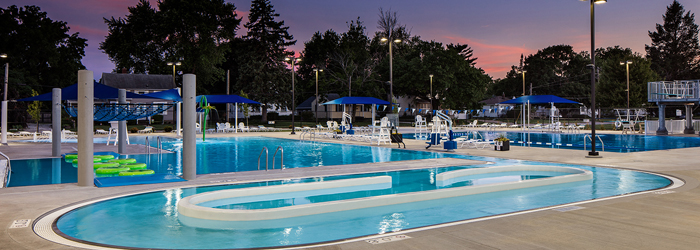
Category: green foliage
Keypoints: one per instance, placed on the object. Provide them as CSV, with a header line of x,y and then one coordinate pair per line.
x,y
610,89
133,130
34,110
674,49
194,32
41,52
167,129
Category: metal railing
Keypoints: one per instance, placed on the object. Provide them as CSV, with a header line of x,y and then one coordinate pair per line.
x,y
266,156
279,148
148,146
591,139
8,172
673,91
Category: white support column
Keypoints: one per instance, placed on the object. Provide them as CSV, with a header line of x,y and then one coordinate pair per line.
x,y
178,112
86,101
3,109
235,124
189,139
121,126
56,122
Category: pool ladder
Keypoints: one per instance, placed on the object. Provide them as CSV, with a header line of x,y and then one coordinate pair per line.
x,y
159,145
8,172
279,149
591,139
311,135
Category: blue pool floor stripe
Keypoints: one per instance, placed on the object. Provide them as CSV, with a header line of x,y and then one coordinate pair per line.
x,y
135,180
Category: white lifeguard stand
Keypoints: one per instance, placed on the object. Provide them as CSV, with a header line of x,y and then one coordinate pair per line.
x,y
421,129
114,130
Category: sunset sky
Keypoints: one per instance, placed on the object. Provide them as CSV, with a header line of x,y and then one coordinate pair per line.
x,y
498,30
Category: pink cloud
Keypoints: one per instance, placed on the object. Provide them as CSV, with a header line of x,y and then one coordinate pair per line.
x,y
495,59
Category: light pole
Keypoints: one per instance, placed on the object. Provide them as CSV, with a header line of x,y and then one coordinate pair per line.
x,y
316,108
293,59
523,73
391,68
174,64
593,153
627,67
3,116
431,92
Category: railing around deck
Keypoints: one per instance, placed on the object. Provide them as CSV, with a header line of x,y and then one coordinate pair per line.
x,y
674,91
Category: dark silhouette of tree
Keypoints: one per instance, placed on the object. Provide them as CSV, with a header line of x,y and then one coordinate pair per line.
x,y
674,49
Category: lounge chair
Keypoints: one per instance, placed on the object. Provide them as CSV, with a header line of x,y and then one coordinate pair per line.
x,y
100,131
515,125
242,127
484,125
148,129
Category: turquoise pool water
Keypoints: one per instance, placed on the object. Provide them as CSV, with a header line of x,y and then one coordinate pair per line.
x,y
151,220
612,142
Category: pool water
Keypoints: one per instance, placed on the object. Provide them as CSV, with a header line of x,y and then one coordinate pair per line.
x,y
151,220
612,142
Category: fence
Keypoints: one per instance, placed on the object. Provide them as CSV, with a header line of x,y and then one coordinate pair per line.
x,y
673,126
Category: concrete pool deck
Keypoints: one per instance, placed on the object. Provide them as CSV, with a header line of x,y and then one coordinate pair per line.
x,y
646,221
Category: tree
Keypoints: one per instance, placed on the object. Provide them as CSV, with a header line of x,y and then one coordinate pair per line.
x,y
41,52
263,73
612,83
34,110
674,49
197,33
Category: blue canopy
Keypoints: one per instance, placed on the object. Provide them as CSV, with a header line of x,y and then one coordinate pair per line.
x,y
538,99
357,100
71,93
226,99
171,94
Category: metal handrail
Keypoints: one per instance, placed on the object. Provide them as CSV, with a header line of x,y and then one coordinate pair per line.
x,y
266,156
281,157
8,172
148,146
159,144
589,137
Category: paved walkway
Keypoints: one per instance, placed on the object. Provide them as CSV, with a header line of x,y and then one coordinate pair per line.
x,y
648,221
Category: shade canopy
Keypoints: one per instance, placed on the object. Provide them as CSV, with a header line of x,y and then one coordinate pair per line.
x,y
357,100
71,93
538,99
171,94
211,99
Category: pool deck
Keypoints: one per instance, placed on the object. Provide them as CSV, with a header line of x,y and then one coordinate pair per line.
x,y
646,221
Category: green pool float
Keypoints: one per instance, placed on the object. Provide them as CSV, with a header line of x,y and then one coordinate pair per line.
x,y
123,161
105,158
105,164
71,156
135,166
94,160
111,170
136,172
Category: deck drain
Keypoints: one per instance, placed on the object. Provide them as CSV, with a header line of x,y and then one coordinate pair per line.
x,y
387,239
567,209
20,223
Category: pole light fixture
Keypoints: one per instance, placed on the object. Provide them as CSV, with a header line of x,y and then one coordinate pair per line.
x,y
523,73
593,153
391,67
627,67
293,60
317,101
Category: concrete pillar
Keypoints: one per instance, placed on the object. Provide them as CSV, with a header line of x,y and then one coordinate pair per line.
x,y
56,122
689,119
178,112
189,139
662,120
86,93
121,125
3,109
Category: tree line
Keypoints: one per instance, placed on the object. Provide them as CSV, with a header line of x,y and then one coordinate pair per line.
x,y
205,36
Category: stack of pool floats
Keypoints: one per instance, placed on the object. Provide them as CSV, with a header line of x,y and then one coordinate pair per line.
x,y
107,165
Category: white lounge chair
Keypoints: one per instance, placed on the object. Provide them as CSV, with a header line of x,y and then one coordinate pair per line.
x,y
148,129
98,131
242,127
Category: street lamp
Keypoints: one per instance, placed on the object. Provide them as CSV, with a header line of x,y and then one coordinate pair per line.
x,y
316,108
391,68
174,64
431,92
627,67
523,72
294,107
593,153
3,138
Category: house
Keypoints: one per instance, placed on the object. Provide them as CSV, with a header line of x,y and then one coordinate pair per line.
x,y
492,108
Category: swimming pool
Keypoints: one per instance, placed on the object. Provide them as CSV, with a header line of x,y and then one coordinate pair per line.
x,y
151,220
222,155
612,142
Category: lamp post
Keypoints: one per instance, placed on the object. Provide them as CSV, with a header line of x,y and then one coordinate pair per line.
x,y
593,153
627,67
523,73
391,68
316,108
431,92
3,116
293,59
177,106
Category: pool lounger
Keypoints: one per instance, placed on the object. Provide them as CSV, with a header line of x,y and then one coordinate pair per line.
x,y
190,206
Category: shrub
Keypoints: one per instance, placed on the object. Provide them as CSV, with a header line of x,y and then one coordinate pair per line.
x,y
134,130
167,129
